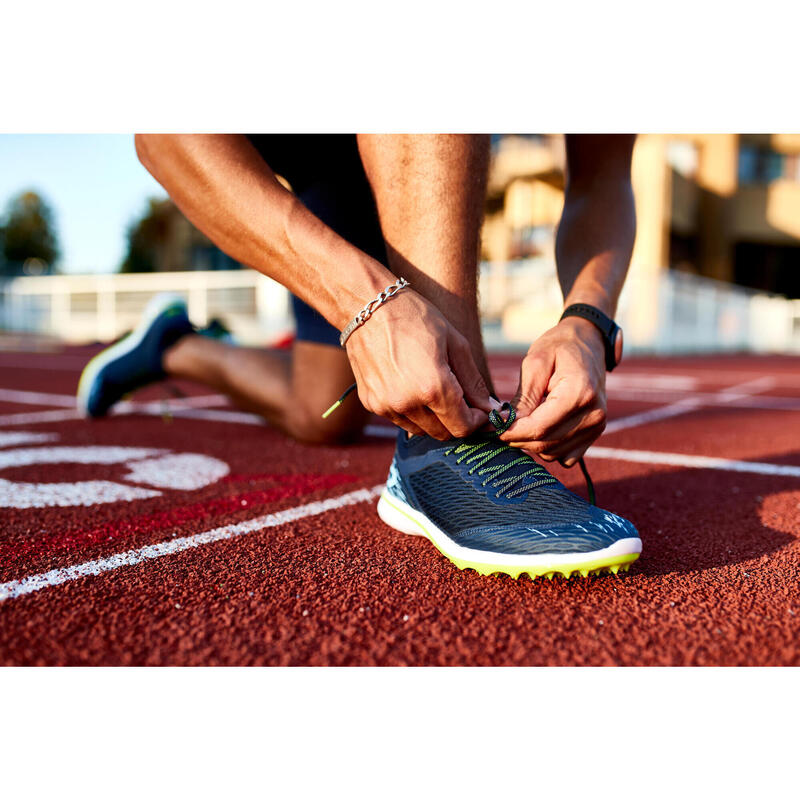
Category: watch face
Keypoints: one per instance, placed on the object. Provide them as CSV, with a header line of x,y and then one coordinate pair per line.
x,y
618,346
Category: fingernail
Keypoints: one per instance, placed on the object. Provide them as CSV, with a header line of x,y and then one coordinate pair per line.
x,y
495,404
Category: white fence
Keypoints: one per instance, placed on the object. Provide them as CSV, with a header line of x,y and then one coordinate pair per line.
x,y
86,308
661,312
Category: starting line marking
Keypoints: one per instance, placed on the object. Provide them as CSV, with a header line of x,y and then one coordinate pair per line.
x,y
55,577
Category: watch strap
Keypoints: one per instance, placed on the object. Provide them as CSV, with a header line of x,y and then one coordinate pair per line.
x,y
602,322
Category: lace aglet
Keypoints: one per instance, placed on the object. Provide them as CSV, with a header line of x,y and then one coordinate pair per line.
x,y
336,405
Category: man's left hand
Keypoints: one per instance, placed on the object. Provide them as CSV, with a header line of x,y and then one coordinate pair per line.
x,y
561,399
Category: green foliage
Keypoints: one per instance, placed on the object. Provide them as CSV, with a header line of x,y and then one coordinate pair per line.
x,y
146,235
29,233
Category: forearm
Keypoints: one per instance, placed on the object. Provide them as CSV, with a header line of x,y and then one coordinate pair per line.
x,y
227,191
598,225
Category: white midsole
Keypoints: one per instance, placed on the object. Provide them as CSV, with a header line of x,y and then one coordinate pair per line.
x,y
402,517
153,308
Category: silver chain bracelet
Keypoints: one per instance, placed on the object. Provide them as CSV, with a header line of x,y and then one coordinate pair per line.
x,y
369,308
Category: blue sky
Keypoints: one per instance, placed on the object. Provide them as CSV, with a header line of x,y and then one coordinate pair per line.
x,y
94,183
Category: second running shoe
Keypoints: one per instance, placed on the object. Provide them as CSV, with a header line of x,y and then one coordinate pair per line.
x,y
135,360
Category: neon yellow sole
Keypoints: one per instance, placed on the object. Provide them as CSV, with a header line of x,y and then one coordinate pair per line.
x,y
609,564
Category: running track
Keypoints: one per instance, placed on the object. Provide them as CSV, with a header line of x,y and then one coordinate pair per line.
x,y
182,532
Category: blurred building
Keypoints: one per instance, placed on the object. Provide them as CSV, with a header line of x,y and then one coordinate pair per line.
x,y
726,206
713,211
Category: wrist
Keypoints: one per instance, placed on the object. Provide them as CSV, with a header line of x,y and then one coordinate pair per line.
x,y
587,332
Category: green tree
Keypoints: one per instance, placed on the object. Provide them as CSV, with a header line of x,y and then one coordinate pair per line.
x,y
146,235
29,232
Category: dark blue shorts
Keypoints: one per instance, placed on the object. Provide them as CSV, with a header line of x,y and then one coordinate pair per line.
x,y
326,174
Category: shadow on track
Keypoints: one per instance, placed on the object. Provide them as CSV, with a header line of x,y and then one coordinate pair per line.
x,y
695,519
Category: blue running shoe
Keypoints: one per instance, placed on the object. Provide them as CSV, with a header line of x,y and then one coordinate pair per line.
x,y
134,361
216,329
492,508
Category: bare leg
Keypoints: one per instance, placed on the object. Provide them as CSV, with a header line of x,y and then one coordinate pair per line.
x,y
430,191
290,390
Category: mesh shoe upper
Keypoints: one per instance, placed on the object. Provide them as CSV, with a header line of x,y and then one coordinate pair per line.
x,y
476,512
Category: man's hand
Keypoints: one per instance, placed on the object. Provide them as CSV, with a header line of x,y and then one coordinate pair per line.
x,y
561,399
417,370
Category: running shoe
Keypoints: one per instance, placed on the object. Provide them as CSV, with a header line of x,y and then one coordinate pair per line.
x,y
135,360
216,329
492,508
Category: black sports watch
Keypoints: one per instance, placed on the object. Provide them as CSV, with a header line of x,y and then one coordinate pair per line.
x,y
612,333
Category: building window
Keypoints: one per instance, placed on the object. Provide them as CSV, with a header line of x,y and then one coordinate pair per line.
x,y
759,165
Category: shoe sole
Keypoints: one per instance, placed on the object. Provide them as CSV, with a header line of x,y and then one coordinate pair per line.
x,y
400,516
158,305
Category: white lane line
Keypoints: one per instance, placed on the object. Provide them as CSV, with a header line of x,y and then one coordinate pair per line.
x,y
688,404
68,400
654,415
36,417
655,396
213,415
696,462
37,398
55,577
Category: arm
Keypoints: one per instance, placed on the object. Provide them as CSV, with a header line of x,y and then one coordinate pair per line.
x,y
561,401
225,188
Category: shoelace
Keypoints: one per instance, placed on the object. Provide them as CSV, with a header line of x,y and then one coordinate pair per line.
x,y
478,452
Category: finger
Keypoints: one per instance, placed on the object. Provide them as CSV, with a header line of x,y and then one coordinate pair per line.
x,y
449,405
426,420
556,410
472,384
593,421
570,451
403,422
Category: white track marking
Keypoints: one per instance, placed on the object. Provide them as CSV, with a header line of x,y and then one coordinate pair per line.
x,y
37,417
91,454
695,462
170,404
184,471
688,404
14,494
771,403
213,415
68,400
37,398
16,438
654,415
159,468
35,583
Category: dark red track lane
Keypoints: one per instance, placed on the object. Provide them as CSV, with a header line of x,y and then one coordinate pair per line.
x,y
718,583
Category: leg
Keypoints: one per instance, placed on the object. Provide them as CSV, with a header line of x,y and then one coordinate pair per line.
x,y
290,390
430,191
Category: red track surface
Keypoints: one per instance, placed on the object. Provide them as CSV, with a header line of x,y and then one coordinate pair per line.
x,y
718,581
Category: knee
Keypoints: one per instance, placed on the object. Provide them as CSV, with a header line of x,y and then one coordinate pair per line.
x,y
312,429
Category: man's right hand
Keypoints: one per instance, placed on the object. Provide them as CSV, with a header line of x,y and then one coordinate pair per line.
x,y
414,368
